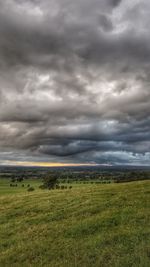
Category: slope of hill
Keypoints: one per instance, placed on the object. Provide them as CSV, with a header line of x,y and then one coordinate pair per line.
x,y
89,225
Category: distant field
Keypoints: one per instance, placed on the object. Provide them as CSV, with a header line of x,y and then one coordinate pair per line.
x,y
104,225
6,189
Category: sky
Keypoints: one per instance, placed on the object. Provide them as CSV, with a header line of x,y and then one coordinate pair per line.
x,y
75,82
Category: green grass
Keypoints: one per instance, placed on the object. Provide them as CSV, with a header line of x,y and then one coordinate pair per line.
x,y
6,189
88,226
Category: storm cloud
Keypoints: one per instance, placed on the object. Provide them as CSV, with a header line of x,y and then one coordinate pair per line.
x,y
75,81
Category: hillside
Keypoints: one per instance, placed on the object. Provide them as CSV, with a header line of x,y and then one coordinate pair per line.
x,y
88,225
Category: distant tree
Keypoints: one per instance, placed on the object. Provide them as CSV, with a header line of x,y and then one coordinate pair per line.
x,y
50,180
62,187
13,180
20,179
30,189
42,186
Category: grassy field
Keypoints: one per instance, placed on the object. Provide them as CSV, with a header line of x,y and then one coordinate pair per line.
x,y
86,226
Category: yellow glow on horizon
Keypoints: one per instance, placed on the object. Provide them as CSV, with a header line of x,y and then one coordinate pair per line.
x,y
49,164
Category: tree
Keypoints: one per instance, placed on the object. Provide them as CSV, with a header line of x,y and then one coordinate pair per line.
x,y
13,180
20,179
50,180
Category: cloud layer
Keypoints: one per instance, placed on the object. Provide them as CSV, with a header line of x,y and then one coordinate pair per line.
x,y
74,81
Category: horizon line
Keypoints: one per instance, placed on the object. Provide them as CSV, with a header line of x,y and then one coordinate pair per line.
x,y
48,164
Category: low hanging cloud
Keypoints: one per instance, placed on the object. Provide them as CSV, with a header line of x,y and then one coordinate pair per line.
x,y
74,81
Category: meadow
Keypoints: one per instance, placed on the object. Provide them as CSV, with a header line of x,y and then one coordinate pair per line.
x,y
90,225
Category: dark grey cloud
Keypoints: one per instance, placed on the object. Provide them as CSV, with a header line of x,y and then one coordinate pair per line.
x,y
74,81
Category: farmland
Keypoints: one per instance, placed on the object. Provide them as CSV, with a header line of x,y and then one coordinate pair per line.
x,y
88,225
